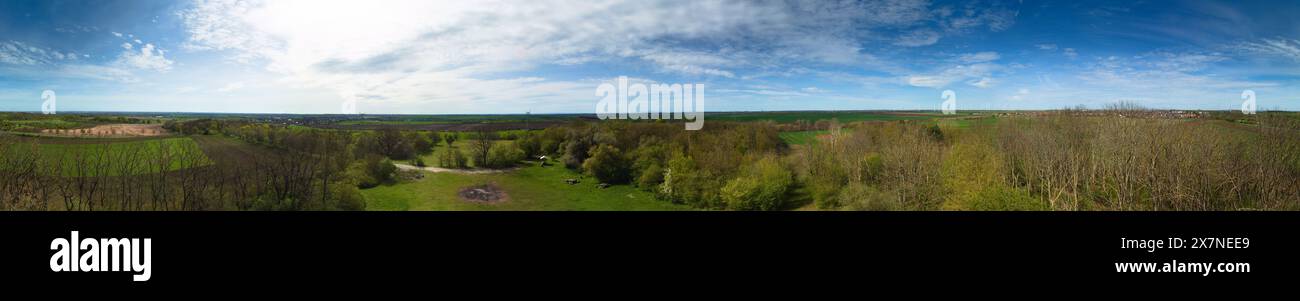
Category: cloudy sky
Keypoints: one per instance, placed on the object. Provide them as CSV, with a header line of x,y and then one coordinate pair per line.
x,y
549,56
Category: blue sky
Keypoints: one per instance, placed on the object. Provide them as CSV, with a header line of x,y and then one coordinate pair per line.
x,y
451,57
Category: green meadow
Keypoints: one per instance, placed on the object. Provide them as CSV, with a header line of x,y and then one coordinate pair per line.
x,y
179,153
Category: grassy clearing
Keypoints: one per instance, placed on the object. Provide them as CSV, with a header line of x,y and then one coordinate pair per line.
x,y
463,145
802,137
529,188
84,159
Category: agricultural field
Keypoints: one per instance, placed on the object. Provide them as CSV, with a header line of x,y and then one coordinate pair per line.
x,y
527,188
84,157
802,137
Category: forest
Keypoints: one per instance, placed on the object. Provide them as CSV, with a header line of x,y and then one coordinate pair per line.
x,y
1065,160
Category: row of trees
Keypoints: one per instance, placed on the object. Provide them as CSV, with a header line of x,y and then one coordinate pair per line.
x,y
1058,162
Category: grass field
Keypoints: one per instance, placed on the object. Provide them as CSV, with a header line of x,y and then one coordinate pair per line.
x,y
112,154
801,137
528,188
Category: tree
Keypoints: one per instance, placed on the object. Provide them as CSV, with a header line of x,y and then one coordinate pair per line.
x,y
505,156
450,138
393,144
420,143
481,146
761,186
608,164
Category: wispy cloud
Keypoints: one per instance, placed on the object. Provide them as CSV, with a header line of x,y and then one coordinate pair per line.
x,y
1279,47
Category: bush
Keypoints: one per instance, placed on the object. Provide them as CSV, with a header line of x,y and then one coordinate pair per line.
x,y
420,143
348,197
650,177
862,197
607,164
372,171
761,186
504,156
452,158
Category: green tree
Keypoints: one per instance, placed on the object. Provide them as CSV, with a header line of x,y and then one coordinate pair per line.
x,y
761,186
608,164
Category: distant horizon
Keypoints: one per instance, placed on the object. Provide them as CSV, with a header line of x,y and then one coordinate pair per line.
x,y
593,114
549,56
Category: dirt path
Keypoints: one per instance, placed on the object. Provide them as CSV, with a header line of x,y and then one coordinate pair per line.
x,y
450,170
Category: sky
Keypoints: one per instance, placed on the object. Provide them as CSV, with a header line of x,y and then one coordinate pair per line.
x,y
543,56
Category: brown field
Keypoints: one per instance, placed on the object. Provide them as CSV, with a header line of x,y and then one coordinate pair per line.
x,y
111,131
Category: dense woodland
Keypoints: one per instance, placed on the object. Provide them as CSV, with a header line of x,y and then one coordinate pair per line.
x,y
1066,160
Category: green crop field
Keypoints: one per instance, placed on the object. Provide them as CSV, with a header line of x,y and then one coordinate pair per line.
x,y
801,137
528,188
77,159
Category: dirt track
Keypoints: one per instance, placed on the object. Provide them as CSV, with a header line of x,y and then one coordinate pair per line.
x,y
449,170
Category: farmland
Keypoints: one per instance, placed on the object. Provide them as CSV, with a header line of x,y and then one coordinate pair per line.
x,y
69,157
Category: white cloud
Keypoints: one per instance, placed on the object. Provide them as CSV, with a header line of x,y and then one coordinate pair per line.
x,y
918,38
1046,46
983,82
977,75
231,87
117,34
398,51
1020,94
19,53
1280,47
980,57
146,58
1070,53
1170,79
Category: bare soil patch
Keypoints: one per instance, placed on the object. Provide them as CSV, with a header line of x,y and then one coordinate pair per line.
x,y
484,194
111,131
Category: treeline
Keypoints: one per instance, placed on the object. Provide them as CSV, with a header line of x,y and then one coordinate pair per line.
x,y
241,166
1059,162
725,166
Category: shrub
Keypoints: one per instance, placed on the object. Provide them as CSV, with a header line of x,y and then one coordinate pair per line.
x,y
607,164
348,197
761,186
862,197
452,158
504,156
650,177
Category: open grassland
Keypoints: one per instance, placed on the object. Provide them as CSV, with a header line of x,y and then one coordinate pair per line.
x,y
527,188
802,137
